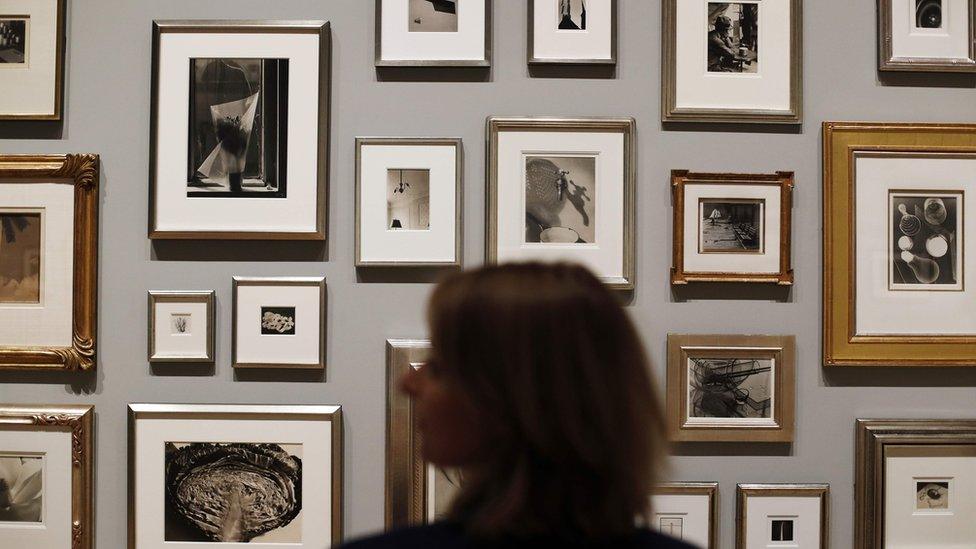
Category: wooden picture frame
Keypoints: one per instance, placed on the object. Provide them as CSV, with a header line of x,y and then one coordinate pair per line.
x,y
707,490
889,62
744,492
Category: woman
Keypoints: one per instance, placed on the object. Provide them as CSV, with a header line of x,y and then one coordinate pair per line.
x,y
538,391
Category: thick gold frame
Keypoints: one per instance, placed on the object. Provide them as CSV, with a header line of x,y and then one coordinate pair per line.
x,y
888,62
744,491
709,489
79,421
406,474
59,70
843,142
80,171
161,296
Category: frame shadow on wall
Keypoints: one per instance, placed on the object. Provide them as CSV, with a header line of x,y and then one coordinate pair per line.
x,y
262,251
711,291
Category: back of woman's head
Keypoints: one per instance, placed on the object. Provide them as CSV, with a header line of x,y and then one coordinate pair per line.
x,y
557,377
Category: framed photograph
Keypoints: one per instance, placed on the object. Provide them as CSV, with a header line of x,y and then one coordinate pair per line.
x,y
738,62
181,326
732,227
562,189
782,515
211,475
730,388
48,261
687,511
32,47
433,33
572,32
897,261
408,202
927,35
47,462
279,322
915,483
240,130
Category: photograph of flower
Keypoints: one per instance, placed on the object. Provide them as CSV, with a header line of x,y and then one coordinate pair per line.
x,y
21,488
20,257
13,40
277,321
560,195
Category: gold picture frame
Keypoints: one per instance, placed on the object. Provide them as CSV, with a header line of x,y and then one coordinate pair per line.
x,y
705,489
744,491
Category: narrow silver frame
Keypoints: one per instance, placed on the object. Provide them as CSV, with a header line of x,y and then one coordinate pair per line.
x,y
162,296
458,203
533,60
59,71
707,489
744,491
887,62
446,62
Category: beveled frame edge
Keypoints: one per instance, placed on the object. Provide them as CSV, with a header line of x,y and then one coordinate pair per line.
x,y
785,180
191,296
241,411
79,420
744,491
709,489
532,60
785,383
669,109
61,27
626,126
379,62
324,30
81,171
458,145
887,62
318,281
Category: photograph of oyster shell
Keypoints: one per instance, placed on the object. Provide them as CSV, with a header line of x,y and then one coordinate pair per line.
x,y
926,240
233,493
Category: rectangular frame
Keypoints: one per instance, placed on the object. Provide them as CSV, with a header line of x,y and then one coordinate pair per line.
x,y
379,62
406,478
158,296
744,491
531,59
59,71
887,62
709,489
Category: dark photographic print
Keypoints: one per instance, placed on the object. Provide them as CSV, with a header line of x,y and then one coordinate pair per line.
x,y
442,486
731,226
238,128
733,37
782,530
233,493
407,200
277,321
928,14
433,16
926,240
13,41
21,488
572,15
931,495
560,194
731,388
179,324
20,257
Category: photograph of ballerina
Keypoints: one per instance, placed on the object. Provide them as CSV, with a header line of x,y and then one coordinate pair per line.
x,y
925,252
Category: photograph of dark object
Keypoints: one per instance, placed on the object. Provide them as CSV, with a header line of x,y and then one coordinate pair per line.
x,y
13,40
572,15
931,495
560,195
782,530
926,240
733,37
729,226
20,257
433,16
928,14
730,388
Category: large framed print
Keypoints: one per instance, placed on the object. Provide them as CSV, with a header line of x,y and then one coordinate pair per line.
x,y
572,32
687,511
279,322
898,259
48,261
732,227
211,475
239,130
181,326
47,463
738,62
408,201
927,35
782,515
563,189
433,33
32,48
915,483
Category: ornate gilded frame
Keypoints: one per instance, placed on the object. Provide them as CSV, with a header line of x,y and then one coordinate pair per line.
x,y
843,142
887,62
709,489
80,171
59,71
157,296
744,491
317,281
79,421
406,475
379,62
531,59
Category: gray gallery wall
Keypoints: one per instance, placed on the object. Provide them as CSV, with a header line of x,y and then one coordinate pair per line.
x,y
107,112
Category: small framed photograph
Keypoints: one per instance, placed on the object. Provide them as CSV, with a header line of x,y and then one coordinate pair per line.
x,y
48,220
563,190
277,469
905,297
279,323
915,482
730,388
782,515
47,457
572,32
32,48
181,326
408,202
927,35
732,227
737,62
432,33
239,130
687,511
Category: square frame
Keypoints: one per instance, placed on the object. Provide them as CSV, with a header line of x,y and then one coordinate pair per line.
x,y
888,62
379,62
406,478
318,282
59,72
531,59
707,489
157,296
744,491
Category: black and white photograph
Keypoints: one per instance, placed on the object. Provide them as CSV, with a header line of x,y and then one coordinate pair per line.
x,y
928,14
20,257
238,128
931,495
13,41
433,15
782,530
926,241
233,492
732,388
560,195
277,320
181,324
572,15
407,200
733,37
671,526
21,488
731,226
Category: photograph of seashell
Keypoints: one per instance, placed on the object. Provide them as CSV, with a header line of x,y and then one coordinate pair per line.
x,y
926,240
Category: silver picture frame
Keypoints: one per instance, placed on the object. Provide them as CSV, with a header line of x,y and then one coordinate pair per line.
x,y
446,62
888,62
531,59
166,296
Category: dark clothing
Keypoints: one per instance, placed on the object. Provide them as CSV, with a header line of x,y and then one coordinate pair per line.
x,y
721,52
